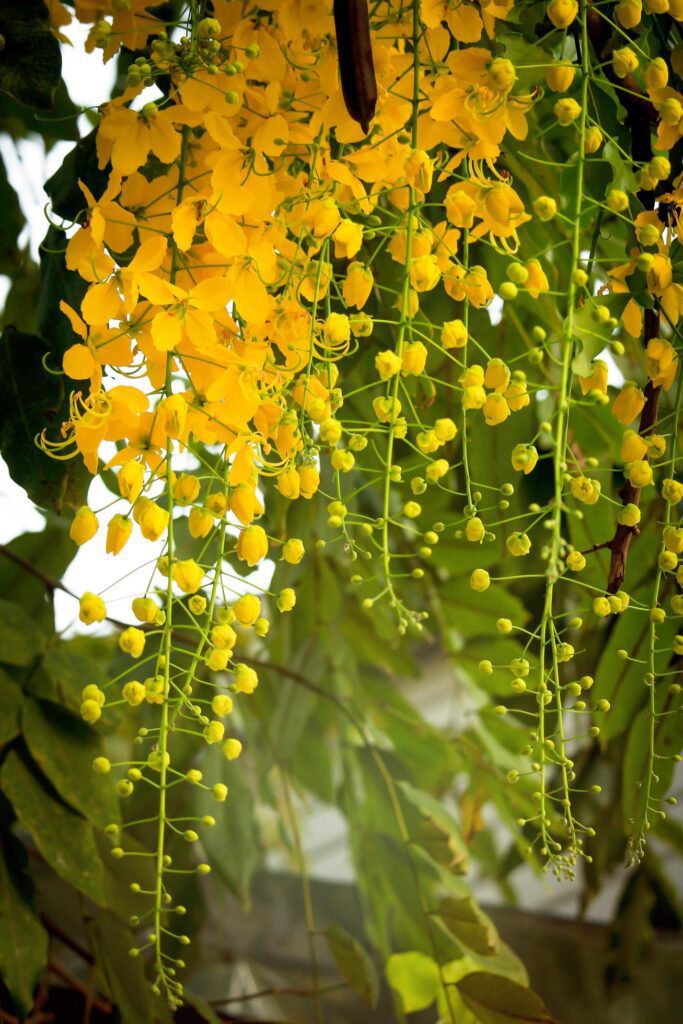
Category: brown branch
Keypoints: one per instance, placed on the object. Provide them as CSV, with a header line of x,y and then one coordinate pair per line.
x,y
86,991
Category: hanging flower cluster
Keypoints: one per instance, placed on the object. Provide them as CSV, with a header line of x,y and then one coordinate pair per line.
x,y
286,272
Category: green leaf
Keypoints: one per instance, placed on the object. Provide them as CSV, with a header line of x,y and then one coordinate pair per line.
x,y
23,940
27,408
51,551
66,841
233,845
416,979
68,671
10,702
57,283
64,748
468,924
20,641
437,832
11,223
354,963
80,164
498,1000
30,60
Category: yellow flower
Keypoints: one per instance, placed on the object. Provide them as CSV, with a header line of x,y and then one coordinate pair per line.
x,y
145,609
289,484
293,551
348,238
629,515
560,75
387,364
247,609
246,678
562,12
186,489
188,575
130,481
200,522
413,358
639,473
633,447
497,375
286,599
118,532
566,111
152,520
132,641
252,545
661,362
232,749
524,457
475,530
597,381
585,490
337,329
672,491
132,136
425,273
628,404
309,480
223,636
495,409
445,429
133,693
576,561
518,544
221,705
84,525
624,61
91,608
673,539
357,285
480,580
453,334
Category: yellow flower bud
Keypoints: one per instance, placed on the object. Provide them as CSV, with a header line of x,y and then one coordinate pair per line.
x,y
656,74
221,705
188,575
387,364
84,526
286,599
633,447
576,561
91,609
475,530
562,12
628,404
672,491
629,13
639,473
118,532
293,551
566,111
214,732
560,76
247,609
445,430
133,693
524,457
232,749
132,641
673,539
185,489
453,334
585,490
545,208
145,609
223,636
252,545
246,679
518,544
495,409
480,580
130,481
153,521
624,61
337,330
413,359
200,522
629,515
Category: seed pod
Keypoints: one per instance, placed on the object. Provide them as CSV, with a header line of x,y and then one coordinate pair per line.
x,y
356,66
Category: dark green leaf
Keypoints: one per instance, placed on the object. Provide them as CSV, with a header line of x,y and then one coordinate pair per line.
x,y
30,61
23,940
66,841
64,748
20,641
27,409
10,702
498,1000
468,924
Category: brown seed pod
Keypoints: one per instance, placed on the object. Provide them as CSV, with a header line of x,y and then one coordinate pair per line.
x,y
356,66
